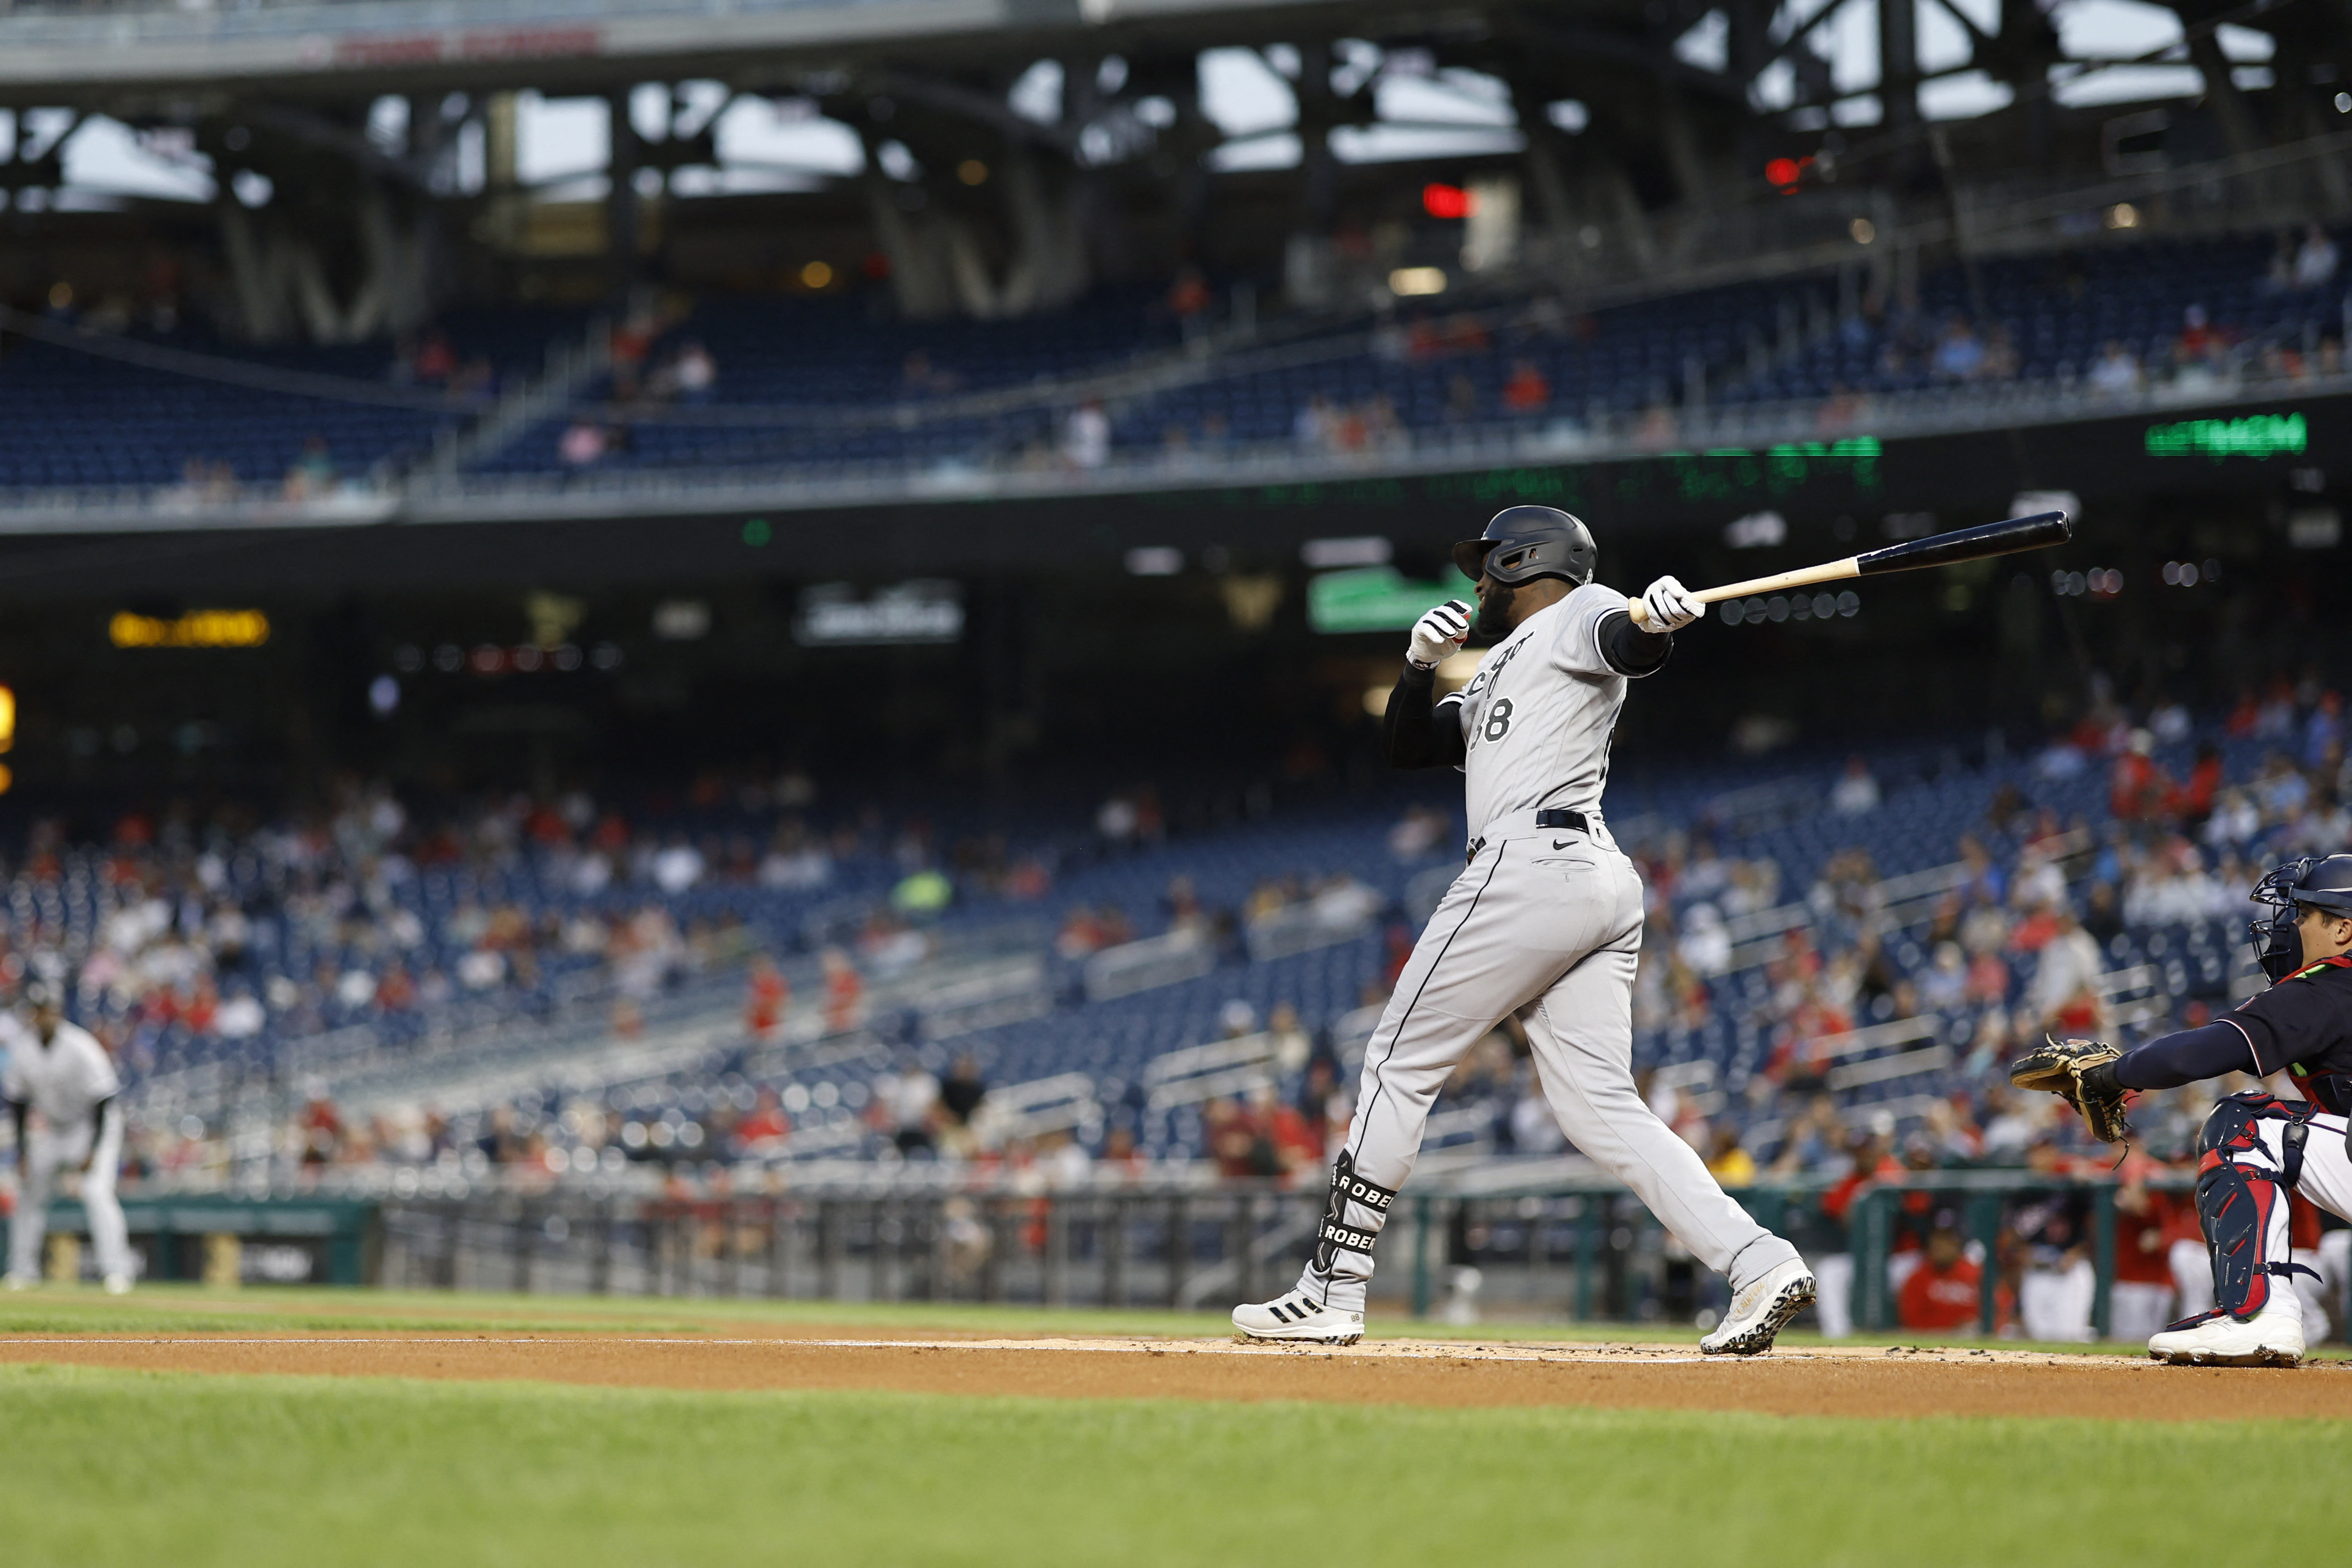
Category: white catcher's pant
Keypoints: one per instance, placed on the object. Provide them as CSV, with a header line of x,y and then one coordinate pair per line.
x,y
1551,917
2327,1180
53,1151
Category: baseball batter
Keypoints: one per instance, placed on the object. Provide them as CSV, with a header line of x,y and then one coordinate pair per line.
x,y
1548,910
61,1073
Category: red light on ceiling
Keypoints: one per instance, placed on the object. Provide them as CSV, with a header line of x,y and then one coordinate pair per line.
x,y
1447,202
1782,170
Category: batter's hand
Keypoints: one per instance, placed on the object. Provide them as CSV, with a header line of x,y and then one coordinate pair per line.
x,y
1670,606
1438,633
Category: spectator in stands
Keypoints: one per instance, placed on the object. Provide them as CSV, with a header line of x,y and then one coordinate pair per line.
x,y
1658,428
1287,1039
1323,1104
1945,1293
2115,372
313,474
907,1104
2200,343
1526,390
1462,406
2064,998
2138,789
582,444
1188,299
762,1132
1856,790
962,1092
1314,428
1705,941
695,372
769,1001
2000,362
1959,352
2315,259
1086,436
435,360
844,992
1421,831
1728,1159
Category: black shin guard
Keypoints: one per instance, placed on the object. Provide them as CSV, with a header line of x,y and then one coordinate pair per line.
x,y
1336,1234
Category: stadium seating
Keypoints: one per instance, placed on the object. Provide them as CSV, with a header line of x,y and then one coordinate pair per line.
x,y
1423,373
319,919
83,421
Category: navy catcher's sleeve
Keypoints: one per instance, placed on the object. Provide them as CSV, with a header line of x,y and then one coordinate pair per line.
x,y
2190,1056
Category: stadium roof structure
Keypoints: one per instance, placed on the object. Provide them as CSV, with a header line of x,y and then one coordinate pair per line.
x,y
1610,112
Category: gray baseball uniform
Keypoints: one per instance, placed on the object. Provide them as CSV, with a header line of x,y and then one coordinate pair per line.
x,y
1546,911
65,1082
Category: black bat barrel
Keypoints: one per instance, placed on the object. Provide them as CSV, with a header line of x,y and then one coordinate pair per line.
x,y
1971,544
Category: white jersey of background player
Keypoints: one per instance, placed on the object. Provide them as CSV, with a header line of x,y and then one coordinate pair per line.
x,y
61,1074
1546,916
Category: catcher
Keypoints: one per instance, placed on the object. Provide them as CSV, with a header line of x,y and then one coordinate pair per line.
x,y
2255,1148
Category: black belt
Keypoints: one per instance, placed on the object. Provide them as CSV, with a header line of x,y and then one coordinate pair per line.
x,y
1551,817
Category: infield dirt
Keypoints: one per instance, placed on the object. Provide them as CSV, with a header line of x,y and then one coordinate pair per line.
x,y
1851,1381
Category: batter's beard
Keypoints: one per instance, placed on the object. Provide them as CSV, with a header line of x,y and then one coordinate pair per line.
x,y
1494,623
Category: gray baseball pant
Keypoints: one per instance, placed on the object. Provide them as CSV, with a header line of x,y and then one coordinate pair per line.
x,y
53,1153
1543,916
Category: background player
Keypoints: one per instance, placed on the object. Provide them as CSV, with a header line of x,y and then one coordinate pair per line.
x,y
2255,1147
1548,911
60,1071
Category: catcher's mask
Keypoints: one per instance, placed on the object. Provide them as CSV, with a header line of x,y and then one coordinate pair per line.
x,y
1523,543
2316,882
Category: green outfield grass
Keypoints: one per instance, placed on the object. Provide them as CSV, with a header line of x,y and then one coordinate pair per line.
x,y
105,1467
192,1309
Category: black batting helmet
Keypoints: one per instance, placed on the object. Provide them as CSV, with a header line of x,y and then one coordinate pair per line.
x,y
2314,882
1523,543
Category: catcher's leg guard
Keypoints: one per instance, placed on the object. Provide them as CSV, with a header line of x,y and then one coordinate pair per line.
x,y
1352,1220
2249,1157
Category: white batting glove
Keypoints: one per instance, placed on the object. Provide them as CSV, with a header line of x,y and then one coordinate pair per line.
x,y
1438,633
1669,606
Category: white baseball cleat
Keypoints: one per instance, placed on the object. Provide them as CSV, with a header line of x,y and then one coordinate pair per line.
x,y
118,1284
2272,1337
1761,1311
1295,1318
20,1282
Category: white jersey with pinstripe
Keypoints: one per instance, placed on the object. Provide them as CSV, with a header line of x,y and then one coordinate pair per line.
x,y
1537,717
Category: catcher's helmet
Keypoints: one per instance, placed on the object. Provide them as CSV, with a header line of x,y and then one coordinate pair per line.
x,y
1523,543
2316,882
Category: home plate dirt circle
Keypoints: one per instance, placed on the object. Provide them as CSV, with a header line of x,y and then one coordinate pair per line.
x,y
1879,1381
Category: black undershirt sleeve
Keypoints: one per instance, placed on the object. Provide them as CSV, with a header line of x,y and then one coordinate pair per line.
x,y
18,1110
1631,650
2191,1056
1412,732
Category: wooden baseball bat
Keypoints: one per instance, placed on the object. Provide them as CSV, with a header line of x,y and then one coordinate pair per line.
x,y
2005,538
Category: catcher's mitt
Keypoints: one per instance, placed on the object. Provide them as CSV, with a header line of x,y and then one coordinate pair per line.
x,y
2082,1072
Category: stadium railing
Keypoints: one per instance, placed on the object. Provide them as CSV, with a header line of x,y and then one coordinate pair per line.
x,y
1545,1238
